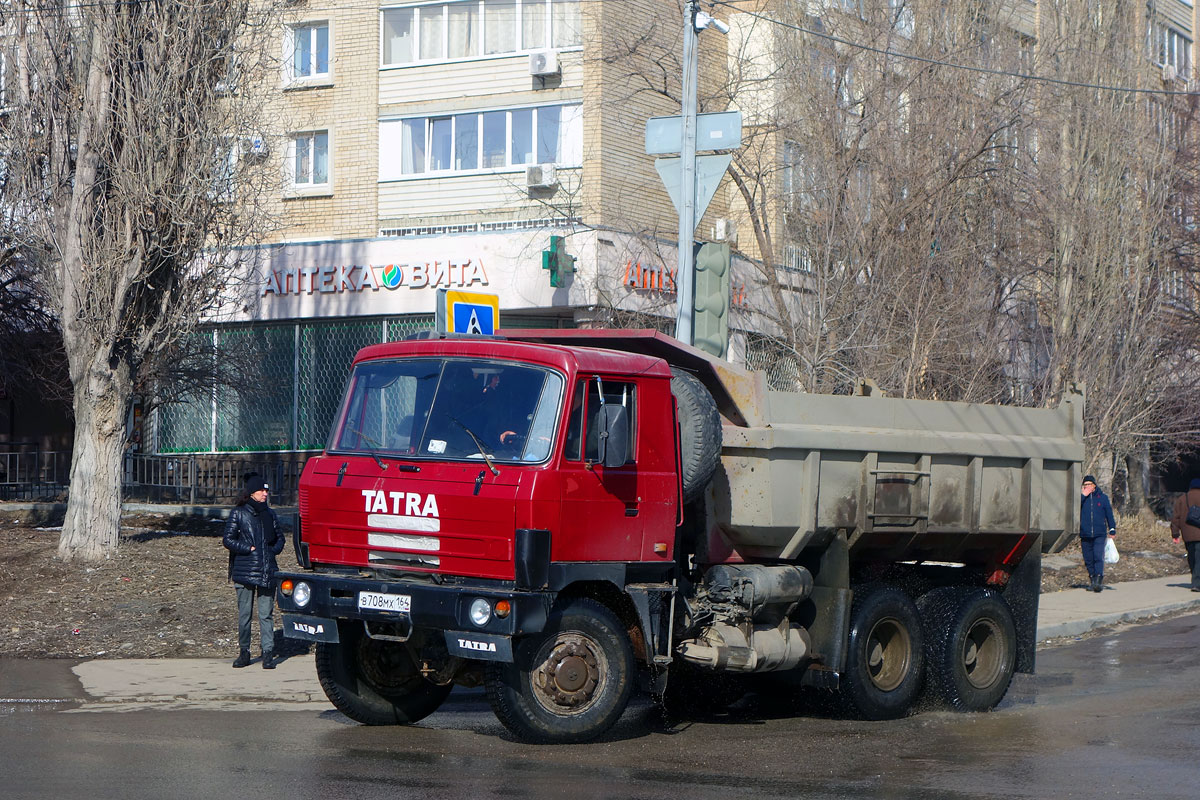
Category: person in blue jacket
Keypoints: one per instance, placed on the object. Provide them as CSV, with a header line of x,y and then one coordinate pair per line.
x,y
1096,527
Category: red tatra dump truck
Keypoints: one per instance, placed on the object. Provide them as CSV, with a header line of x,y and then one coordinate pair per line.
x,y
567,516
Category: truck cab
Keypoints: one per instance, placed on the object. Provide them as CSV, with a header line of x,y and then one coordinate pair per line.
x,y
466,485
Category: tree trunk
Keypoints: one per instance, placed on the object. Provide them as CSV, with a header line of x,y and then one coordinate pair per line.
x,y
93,517
1135,495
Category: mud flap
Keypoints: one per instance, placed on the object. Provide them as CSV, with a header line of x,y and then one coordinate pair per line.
x,y
1022,593
479,646
310,629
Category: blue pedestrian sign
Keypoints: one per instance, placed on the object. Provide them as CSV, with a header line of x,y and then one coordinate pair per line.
x,y
467,312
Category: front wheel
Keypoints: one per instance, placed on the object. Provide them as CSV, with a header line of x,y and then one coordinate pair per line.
x,y
885,658
972,646
569,683
375,682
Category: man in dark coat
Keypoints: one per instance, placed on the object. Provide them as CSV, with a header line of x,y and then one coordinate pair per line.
x,y
1190,534
1096,527
253,539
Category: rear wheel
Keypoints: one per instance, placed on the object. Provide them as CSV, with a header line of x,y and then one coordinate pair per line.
x,y
885,655
375,682
971,646
569,683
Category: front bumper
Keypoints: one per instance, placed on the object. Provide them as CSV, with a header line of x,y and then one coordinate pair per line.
x,y
434,607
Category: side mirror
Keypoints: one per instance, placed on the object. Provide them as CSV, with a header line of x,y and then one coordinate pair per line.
x,y
613,441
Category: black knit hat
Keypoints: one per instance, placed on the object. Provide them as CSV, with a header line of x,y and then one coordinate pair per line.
x,y
255,482
1089,479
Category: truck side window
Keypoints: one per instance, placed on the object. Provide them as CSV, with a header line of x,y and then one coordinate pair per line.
x,y
574,448
619,393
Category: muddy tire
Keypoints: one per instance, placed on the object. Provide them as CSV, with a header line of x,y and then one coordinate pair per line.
x,y
971,647
569,683
885,657
375,682
699,432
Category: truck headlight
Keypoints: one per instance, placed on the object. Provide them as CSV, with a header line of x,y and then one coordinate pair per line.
x,y
301,594
481,611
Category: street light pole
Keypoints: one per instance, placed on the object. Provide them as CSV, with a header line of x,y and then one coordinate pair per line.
x,y
687,175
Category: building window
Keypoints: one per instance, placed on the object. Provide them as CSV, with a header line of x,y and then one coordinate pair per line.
x,y
470,28
310,159
225,170
481,141
1168,47
309,56
900,14
791,177
4,77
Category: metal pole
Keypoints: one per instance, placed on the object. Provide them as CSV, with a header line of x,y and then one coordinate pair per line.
x,y
687,181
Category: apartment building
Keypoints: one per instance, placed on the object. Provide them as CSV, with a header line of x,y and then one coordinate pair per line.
x,y
445,145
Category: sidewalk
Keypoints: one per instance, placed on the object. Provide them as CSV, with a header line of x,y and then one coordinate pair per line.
x,y
211,684
1076,611
208,683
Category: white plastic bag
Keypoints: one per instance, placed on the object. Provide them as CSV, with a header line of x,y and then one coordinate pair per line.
x,y
1111,556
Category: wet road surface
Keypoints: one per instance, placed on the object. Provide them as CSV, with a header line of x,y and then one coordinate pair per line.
x,y
1110,716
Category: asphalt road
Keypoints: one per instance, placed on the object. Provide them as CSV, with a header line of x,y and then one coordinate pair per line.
x,y
1109,716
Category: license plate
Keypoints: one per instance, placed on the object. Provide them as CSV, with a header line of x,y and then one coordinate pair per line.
x,y
377,601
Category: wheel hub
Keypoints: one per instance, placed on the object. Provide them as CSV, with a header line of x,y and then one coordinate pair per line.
x,y
983,655
889,653
568,677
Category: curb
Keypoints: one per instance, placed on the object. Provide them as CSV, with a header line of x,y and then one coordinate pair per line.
x,y
1077,627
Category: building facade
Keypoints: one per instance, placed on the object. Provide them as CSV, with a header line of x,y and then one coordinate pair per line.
x,y
441,145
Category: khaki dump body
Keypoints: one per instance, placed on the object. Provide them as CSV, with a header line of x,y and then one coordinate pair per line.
x,y
902,479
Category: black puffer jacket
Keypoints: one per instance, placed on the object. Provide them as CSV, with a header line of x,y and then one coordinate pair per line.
x,y
248,528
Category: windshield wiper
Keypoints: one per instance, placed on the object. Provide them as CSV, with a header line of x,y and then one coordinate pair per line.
x,y
374,453
483,451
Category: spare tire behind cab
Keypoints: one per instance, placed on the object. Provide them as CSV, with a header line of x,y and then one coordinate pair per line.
x,y
699,432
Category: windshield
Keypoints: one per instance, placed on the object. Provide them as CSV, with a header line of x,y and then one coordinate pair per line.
x,y
449,408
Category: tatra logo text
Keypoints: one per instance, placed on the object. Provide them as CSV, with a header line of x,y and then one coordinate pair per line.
x,y
311,630
485,647
359,277
408,503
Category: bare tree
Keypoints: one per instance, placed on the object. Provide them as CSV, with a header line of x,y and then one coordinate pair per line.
x,y
957,200
123,182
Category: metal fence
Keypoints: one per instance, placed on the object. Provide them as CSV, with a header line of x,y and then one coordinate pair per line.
x,y
27,472
30,474
302,369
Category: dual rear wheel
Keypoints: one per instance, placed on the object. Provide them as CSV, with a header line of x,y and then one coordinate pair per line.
x,y
957,645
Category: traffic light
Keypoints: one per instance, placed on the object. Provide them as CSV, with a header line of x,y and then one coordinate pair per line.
x,y
557,261
710,326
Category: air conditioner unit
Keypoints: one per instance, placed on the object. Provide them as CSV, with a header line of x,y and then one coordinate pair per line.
x,y
1168,72
544,63
541,176
255,146
725,230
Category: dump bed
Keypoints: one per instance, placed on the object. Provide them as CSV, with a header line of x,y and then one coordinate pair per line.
x,y
902,479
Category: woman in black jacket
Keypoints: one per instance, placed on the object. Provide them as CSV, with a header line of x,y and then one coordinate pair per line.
x,y
253,539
